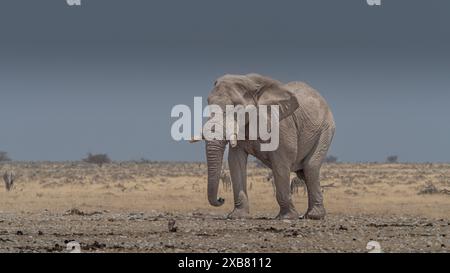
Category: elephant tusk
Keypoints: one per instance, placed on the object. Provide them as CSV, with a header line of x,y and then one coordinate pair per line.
x,y
233,140
196,139
233,128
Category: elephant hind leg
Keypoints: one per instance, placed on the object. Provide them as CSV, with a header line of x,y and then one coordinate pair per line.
x,y
311,171
316,209
281,175
301,176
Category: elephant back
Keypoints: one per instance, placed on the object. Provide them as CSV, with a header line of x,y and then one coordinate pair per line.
x,y
313,110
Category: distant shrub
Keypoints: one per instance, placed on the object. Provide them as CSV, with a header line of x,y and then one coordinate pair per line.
x,y
4,157
98,159
146,161
429,188
392,159
331,159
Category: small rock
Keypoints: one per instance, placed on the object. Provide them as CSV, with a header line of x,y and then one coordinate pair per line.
x,y
172,225
341,227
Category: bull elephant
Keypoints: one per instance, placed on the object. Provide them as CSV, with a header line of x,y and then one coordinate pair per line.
x,y
306,130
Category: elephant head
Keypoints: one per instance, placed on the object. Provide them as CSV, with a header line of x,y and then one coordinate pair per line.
x,y
251,89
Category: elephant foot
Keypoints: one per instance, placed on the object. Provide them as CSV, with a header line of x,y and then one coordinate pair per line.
x,y
315,213
288,214
239,214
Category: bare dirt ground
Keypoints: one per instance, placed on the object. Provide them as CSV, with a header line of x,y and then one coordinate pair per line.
x,y
127,207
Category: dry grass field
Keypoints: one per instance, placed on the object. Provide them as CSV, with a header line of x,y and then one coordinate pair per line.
x,y
126,207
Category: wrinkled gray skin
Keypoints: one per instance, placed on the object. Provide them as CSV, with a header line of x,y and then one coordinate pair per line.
x,y
306,131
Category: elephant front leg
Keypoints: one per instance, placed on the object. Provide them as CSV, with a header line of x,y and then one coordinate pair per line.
x,y
237,162
283,193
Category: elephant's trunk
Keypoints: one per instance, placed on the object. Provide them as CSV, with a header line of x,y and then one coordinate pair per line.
x,y
214,157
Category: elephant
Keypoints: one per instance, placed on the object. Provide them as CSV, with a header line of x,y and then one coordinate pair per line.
x,y
306,130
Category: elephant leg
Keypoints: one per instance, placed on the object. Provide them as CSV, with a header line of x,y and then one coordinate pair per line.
x,y
237,162
281,174
316,209
301,176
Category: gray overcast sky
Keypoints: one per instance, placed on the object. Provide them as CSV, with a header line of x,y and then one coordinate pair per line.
x,y
103,77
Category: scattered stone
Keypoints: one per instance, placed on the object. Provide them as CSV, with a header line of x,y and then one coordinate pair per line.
x,y
172,225
341,227
78,212
94,246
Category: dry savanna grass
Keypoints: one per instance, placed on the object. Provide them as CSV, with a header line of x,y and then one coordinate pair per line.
x,y
380,189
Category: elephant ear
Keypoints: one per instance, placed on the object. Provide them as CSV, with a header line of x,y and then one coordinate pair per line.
x,y
274,94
